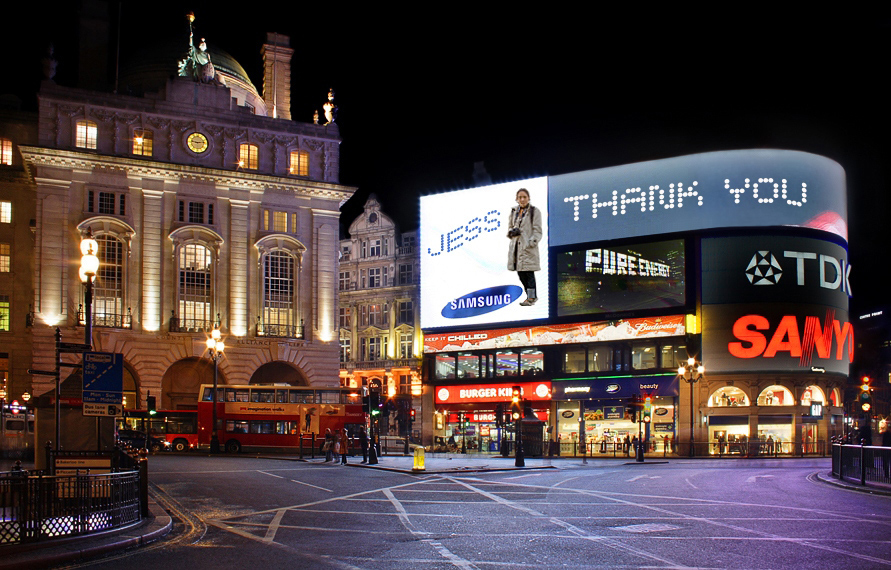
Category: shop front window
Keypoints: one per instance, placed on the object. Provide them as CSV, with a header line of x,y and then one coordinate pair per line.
x,y
531,362
728,396
506,363
468,365
643,356
835,398
776,396
574,360
601,359
812,394
673,356
444,367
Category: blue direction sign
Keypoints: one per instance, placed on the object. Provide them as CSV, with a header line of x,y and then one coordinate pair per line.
x,y
103,378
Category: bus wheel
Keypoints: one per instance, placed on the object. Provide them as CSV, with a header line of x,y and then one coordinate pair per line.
x,y
180,445
232,446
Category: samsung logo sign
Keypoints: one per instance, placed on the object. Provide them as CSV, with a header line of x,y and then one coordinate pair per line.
x,y
482,301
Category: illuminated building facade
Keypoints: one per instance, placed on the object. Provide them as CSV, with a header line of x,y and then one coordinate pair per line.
x,y
379,314
211,207
736,260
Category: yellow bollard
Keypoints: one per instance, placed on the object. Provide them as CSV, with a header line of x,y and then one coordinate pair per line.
x,y
418,460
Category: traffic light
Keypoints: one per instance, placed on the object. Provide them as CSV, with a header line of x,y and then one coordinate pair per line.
x,y
647,409
634,405
374,403
151,405
866,394
411,415
515,408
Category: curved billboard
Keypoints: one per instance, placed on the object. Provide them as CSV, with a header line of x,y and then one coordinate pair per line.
x,y
740,188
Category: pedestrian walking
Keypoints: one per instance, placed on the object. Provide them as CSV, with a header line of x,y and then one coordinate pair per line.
x,y
363,443
344,446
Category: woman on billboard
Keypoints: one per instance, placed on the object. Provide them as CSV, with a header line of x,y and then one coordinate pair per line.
x,y
524,233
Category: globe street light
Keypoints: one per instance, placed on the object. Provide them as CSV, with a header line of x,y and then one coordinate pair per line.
x,y
216,347
89,267
691,374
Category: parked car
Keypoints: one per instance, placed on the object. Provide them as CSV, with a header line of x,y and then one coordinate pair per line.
x,y
136,438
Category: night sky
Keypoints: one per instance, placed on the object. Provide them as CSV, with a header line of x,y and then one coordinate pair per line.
x,y
427,90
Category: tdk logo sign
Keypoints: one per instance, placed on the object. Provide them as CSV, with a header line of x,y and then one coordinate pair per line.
x,y
765,269
482,301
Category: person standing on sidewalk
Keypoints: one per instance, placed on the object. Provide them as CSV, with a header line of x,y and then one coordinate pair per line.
x,y
329,444
344,446
363,442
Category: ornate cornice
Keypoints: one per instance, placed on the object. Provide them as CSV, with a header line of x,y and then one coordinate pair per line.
x,y
40,156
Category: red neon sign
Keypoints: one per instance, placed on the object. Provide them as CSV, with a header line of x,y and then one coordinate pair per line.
x,y
788,338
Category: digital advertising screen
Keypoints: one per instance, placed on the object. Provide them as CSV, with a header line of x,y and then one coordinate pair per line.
x,y
469,261
739,188
624,278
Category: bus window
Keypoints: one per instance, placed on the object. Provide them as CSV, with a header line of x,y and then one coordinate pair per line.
x,y
237,426
261,426
208,395
263,396
302,397
230,395
281,396
284,428
242,395
329,396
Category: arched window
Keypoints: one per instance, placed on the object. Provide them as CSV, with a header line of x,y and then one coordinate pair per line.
x,y
299,164
195,306
776,395
248,156
280,258
728,396
85,134
279,278
108,292
812,394
835,397
142,142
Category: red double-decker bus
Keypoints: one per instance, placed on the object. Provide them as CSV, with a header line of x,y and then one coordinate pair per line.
x,y
178,427
276,415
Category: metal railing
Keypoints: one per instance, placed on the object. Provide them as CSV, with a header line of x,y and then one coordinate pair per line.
x,y
41,507
281,331
106,320
862,463
701,449
190,325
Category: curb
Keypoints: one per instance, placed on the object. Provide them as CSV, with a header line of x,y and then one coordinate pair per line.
x,y
829,479
66,550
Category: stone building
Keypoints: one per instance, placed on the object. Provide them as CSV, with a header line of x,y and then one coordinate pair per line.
x,y
379,314
211,207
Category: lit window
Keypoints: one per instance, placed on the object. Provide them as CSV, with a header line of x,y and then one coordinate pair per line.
x,y
4,258
299,163
279,314
142,142
344,317
5,212
86,135
405,346
4,312
6,152
108,292
280,222
195,278
247,156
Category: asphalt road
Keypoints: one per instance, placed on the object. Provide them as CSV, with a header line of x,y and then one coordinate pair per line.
x,y
239,512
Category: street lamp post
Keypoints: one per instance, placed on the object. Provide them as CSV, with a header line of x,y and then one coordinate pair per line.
x,y
2,413
216,347
691,373
89,267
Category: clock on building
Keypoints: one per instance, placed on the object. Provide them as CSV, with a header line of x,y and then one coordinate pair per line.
x,y
197,143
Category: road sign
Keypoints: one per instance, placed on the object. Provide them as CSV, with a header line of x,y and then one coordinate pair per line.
x,y
111,410
74,347
103,381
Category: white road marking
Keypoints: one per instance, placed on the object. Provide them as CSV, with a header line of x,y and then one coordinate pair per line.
x,y
691,484
270,474
633,479
521,476
273,526
311,485
754,478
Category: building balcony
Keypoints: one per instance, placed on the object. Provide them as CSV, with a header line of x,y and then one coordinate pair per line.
x,y
280,331
106,320
190,325
376,364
